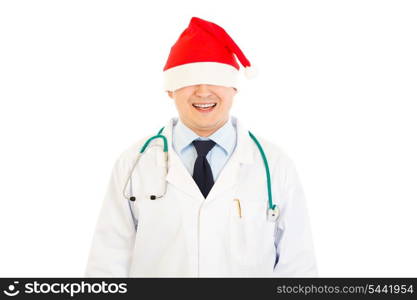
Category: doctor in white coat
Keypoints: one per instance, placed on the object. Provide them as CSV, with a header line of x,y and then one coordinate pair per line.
x,y
212,218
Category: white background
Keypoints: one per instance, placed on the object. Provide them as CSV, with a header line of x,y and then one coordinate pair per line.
x,y
80,81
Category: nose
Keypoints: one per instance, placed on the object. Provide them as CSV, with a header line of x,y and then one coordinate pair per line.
x,y
202,90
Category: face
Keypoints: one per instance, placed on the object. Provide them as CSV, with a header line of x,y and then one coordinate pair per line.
x,y
203,108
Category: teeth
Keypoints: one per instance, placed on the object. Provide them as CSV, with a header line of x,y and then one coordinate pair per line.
x,y
204,105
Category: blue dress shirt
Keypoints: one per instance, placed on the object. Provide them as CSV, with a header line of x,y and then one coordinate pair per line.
x,y
224,137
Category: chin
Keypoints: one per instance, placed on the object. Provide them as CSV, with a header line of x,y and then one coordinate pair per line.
x,y
205,124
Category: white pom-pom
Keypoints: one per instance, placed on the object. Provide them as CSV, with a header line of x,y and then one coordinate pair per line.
x,y
251,72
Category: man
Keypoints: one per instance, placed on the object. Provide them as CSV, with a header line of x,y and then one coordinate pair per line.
x,y
211,214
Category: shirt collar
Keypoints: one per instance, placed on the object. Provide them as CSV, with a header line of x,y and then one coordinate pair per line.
x,y
225,136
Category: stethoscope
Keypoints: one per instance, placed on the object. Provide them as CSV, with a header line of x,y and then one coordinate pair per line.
x,y
273,211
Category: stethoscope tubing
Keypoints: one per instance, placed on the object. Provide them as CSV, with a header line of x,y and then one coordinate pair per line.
x,y
273,209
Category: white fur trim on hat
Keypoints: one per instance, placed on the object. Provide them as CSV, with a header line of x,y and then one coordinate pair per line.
x,y
200,73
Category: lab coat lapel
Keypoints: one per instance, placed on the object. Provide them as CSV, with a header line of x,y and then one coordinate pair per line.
x,y
243,154
178,175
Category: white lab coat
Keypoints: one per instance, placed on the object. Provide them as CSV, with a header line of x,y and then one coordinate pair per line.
x,y
185,235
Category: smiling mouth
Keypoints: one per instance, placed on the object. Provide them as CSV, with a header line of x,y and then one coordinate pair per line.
x,y
204,107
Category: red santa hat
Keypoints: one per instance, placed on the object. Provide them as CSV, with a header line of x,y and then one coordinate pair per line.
x,y
204,54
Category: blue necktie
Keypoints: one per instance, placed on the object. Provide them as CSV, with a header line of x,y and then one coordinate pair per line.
x,y
202,174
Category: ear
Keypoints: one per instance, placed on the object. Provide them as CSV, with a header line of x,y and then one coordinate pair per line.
x,y
170,94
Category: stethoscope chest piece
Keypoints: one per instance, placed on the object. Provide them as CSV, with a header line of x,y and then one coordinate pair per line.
x,y
273,214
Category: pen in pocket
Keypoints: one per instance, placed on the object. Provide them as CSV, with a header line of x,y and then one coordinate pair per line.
x,y
239,208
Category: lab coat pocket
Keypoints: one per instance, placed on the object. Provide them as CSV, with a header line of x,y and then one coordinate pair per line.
x,y
159,217
251,234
